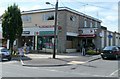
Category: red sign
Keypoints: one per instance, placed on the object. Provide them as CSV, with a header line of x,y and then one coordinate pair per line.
x,y
59,28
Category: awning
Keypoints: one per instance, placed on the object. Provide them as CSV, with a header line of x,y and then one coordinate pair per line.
x,y
72,34
87,35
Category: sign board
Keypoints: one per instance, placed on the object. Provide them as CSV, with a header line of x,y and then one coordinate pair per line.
x,y
110,36
36,33
87,31
26,32
46,33
101,34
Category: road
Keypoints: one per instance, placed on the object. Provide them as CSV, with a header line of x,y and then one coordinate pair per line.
x,y
97,68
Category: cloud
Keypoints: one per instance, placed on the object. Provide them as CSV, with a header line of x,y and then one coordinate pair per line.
x,y
108,16
111,18
2,1
2,10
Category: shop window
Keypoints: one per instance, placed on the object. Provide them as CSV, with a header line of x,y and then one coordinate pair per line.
x,y
45,42
26,18
48,16
69,38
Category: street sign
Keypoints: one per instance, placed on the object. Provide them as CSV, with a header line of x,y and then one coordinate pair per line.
x,y
110,36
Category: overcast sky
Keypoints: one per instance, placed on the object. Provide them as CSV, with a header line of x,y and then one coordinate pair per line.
x,y
105,10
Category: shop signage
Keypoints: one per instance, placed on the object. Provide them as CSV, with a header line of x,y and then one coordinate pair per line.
x,y
46,33
101,34
36,33
26,32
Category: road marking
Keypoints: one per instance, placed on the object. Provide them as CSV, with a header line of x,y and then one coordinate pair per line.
x,y
76,62
9,62
114,72
21,62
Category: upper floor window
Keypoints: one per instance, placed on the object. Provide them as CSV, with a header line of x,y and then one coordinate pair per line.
x,y
91,24
72,18
85,23
26,18
48,16
96,25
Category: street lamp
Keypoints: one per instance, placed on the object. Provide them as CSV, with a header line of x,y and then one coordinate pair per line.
x,y
55,27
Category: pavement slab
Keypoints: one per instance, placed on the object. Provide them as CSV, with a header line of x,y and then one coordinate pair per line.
x,y
45,60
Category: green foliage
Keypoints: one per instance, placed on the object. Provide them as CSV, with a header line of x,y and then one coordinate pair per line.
x,y
12,23
92,52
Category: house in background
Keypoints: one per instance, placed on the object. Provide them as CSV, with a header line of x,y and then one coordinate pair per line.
x,y
109,38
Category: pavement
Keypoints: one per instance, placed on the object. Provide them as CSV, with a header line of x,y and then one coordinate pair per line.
x,y
46,60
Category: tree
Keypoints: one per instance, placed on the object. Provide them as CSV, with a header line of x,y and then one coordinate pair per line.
x,y
12,24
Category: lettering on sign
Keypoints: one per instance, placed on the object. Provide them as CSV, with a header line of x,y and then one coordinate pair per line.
x,y
26,32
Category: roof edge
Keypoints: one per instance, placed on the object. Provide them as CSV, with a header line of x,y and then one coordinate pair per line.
x,y
60,8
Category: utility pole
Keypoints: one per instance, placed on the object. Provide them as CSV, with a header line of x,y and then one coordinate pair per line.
x,y
55,29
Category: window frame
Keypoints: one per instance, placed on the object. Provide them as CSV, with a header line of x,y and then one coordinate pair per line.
x,y
26,18
47,16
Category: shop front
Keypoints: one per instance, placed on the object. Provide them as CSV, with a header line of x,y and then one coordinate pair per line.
x,y
88,38
37,38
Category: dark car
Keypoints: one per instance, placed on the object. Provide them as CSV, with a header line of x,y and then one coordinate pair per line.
x,y
110,52
4,54
118,47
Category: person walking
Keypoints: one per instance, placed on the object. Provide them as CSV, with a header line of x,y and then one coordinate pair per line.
x,y
83,49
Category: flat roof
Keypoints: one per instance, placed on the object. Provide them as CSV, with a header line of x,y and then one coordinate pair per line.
x,y
59,9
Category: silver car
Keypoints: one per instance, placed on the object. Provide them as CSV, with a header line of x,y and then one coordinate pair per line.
x,y
4,54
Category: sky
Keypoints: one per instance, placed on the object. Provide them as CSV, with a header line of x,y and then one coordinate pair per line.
x,y
105,10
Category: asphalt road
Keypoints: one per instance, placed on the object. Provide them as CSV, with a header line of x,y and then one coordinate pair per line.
x,y
97,68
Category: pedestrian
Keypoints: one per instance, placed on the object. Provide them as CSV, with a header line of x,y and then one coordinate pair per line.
x,y
21,52
27,49
78,48
83,49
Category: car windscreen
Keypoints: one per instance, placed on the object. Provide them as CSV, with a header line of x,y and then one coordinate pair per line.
x,y
4,50
108,48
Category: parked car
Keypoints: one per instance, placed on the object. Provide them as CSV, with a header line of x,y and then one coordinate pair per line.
x,y
118,47
110,52
4,54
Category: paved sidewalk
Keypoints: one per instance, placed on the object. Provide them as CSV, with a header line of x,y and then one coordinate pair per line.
x,y
46,60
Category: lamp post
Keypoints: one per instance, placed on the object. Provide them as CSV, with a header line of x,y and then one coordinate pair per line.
x,y
55,27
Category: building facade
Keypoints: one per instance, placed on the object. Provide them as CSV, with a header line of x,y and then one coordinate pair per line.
x,y
109,38
74,29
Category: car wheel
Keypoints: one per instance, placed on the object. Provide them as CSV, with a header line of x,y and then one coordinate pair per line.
x,y
103,57
9,59
116,56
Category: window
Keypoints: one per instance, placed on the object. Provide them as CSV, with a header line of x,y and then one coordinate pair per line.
x,y
96,24
85,23
48,16
91,24
72,18
69,38
26,18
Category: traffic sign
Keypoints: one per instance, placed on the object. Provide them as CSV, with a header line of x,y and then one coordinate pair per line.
x,y
110,36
